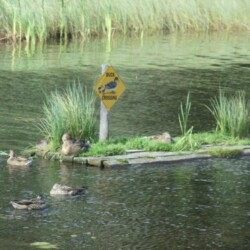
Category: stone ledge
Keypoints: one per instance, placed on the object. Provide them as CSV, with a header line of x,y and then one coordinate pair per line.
x,y
139,157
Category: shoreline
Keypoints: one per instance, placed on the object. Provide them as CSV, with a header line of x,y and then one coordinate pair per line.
x,y
140,157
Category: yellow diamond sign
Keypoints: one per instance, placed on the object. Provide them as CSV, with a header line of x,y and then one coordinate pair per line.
x,y
109,87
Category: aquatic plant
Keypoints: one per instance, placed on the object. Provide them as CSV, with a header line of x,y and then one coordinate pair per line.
x,y
232,114
184,115
187,142
45,19
72,111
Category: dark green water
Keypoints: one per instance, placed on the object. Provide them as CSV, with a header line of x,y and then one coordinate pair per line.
x,y
201,205
158,73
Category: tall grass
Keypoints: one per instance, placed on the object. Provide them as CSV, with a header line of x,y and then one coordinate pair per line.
x,y
72,111
232,114
184,115
45,19
187,142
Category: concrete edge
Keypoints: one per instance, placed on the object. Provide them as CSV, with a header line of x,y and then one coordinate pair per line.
x,y
140,158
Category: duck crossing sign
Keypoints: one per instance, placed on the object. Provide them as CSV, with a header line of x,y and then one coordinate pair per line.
x,y
109,87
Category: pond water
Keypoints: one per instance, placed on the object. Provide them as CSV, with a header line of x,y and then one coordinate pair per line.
x,y
184,206
158,73
200,205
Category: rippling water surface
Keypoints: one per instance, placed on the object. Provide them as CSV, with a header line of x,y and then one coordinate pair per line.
x,y
201,205
158,73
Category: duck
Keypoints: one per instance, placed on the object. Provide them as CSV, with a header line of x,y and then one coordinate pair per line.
x,y
43,145
109,87
18,160
32,204
73,147
59,189
164,138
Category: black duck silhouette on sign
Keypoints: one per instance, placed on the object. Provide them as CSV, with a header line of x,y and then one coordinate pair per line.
x,y
109,87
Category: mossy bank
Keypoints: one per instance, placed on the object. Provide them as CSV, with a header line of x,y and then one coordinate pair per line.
x,y
135,154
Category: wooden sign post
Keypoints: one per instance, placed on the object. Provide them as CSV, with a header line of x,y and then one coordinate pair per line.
x,y
104,116
109,88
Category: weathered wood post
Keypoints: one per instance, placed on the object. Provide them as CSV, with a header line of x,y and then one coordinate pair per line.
x,y
104,116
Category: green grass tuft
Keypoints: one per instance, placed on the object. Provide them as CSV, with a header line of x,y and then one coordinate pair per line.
x,y
232,114
120,145
105,149
72,111
184,115
187,142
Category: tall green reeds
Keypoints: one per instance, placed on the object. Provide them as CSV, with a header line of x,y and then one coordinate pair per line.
x,y
184,115
232,114
72,111
187,141
62,19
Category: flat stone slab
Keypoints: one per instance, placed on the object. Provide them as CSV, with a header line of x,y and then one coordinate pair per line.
x,y
139,157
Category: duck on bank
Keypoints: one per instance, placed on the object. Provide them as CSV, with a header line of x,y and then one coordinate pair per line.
x,y
73,147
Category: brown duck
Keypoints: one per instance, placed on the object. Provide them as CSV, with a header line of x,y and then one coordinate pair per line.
x,y
59,189
32,204
18,160
73,147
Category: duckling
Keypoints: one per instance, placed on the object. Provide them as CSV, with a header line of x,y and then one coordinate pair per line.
x,y
73,147
59,189
32,204
18,160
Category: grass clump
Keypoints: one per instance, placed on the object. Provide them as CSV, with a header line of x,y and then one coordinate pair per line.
x,y
72,111
232,114
119,146
105,149
217,138
158,146
184,115
147,144
138,142
187,142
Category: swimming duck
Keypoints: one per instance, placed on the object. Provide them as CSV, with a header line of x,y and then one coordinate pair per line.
x,y
109,87
59,189
18,160
32,204
73,147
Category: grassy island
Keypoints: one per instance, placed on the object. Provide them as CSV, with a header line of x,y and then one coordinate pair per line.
x,y
73,112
